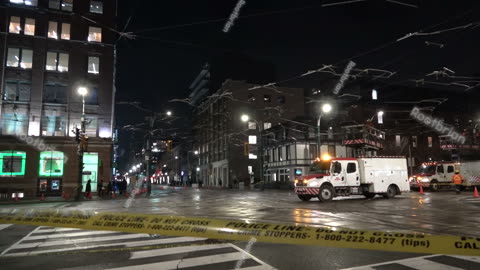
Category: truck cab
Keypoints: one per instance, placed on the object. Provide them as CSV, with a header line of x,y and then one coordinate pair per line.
x,y
433,175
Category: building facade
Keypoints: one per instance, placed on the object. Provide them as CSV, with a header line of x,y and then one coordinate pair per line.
x,y
227,147
49,49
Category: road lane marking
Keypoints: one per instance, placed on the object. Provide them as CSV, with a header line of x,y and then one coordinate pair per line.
x,y
4,226
168,251
16,243
431,262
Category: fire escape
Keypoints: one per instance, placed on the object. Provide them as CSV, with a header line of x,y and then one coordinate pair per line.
x,y
364,139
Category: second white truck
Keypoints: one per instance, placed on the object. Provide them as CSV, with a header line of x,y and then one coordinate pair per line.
x,y
368,176
438,175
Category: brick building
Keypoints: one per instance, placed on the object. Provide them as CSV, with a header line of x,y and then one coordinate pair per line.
x,y
50,48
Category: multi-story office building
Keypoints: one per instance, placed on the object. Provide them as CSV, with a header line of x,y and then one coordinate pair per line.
x,y
49,49
222,139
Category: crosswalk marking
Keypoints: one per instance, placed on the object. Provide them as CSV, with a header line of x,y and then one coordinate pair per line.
x,y
431,262
193,252
4,226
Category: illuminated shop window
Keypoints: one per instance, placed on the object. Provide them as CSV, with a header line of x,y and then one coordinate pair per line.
x,y
90,170
51,163
12,163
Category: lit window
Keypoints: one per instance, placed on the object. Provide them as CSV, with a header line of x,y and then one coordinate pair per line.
x,y
29,27
267,125
26,61
65,31
51,163
91,126
19,58
252,156
53,121
15,25
57,62
51,61
25,2
252,125
430,141
66,5
96,7
267,98
13,58
93,64
14,119
397,140
12,163
52,30
374,94
252,139
95,34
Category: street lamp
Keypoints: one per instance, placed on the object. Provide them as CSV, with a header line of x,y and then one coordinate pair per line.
x,y
82,91
326,108
169,113
244,118
196,152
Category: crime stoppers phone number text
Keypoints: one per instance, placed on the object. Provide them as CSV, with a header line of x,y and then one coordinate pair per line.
x,y
357,239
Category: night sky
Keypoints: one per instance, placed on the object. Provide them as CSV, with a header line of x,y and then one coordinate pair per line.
x,y
175,38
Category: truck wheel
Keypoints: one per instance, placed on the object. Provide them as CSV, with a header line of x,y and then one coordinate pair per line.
x,y
434,187
326,193
391,192
369,195
304,198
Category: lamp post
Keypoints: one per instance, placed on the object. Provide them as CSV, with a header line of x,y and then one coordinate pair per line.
x,y
326,108
245,118
148,151
82,91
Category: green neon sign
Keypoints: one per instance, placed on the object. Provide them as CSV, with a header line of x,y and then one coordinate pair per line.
x,y
51,163
7,159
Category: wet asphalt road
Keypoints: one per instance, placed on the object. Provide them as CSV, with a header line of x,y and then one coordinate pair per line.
x,y
436,213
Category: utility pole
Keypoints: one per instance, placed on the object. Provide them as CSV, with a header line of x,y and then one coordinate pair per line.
x,y
81,140
148,153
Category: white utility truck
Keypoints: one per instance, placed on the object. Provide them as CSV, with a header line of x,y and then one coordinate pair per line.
x,y
368,176
437,175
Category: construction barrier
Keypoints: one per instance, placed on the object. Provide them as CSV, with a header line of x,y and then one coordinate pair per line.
x,y
246,230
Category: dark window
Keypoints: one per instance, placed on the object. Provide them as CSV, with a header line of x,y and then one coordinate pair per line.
x,y
267,98
351,167
96,7
66,5
55,93
336,167
281,99
251,97
92,96
440,169
287,152
450,169
17,91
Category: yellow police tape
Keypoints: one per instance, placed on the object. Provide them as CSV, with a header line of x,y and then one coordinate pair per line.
x,y
245,230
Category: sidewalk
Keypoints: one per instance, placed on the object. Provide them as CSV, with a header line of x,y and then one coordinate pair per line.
x,y
58,199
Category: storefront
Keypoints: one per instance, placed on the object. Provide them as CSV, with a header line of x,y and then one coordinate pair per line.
x,y
50,173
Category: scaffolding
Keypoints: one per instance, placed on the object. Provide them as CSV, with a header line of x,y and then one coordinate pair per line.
x,y
364,139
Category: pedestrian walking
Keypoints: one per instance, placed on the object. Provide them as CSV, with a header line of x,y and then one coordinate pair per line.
x,y
109,188
458,180
88,188
100,188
